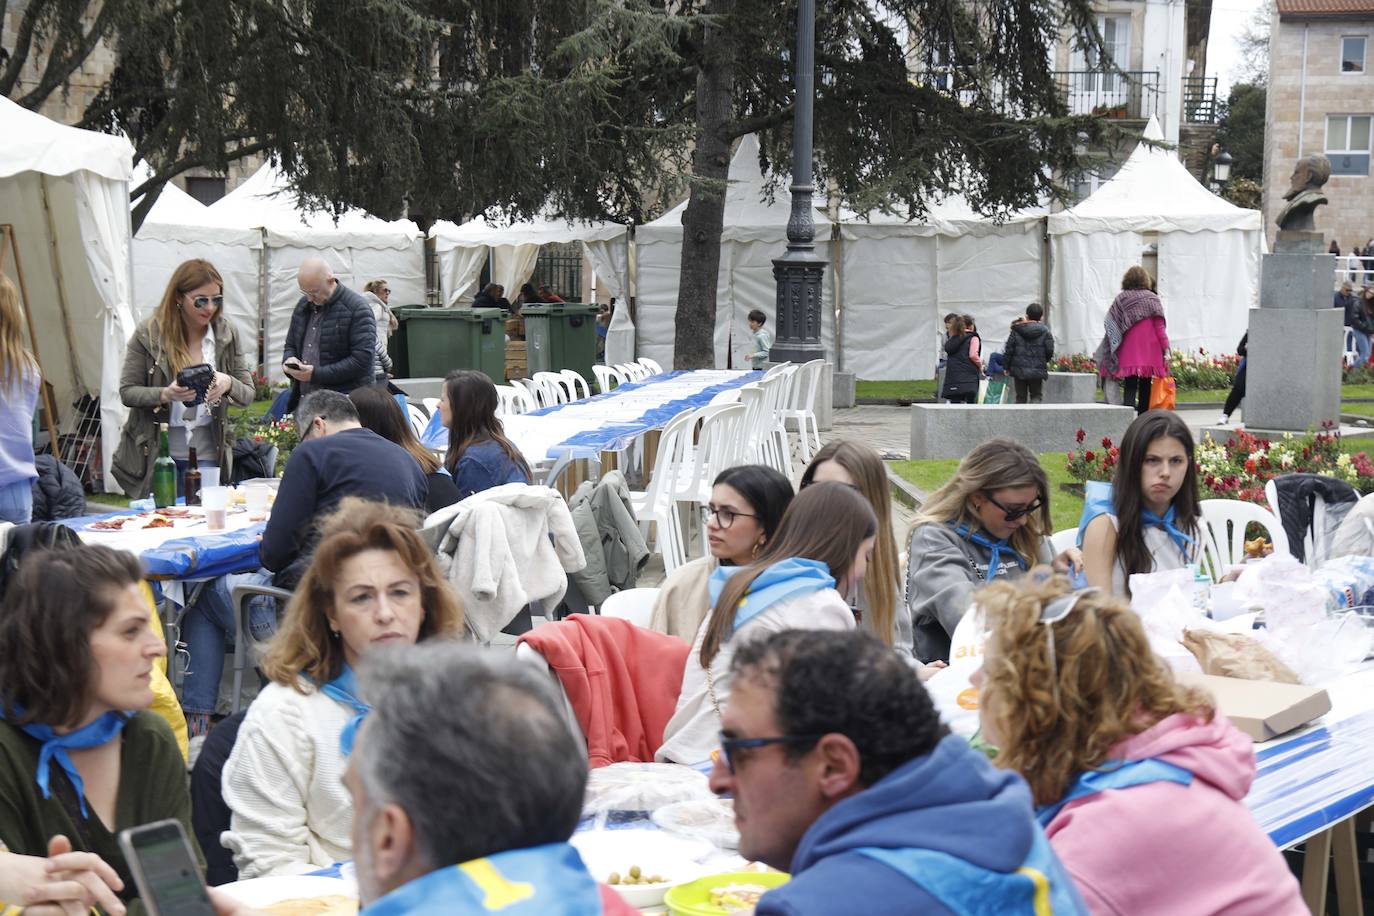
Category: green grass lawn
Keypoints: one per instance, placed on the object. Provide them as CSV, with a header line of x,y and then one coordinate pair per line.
x,y
1065,508
906,390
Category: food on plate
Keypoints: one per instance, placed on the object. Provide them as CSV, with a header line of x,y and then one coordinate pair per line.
x,y
737,898
109,524
635,876
158,521
332,905
1259,547
173,512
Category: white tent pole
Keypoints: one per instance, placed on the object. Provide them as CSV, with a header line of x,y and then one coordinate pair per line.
x,y
61,283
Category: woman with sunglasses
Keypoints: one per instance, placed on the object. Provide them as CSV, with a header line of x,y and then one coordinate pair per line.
x,y
1139,781
187,329
746,507
378,295
990,521
372,582
1151,521
798,581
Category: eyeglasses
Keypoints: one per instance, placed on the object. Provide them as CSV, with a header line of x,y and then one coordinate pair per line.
x,y
201,302
1013,514
724,516
729,746
1051,612
386,292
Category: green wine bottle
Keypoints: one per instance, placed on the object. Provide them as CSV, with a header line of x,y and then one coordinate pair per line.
x,y
164,472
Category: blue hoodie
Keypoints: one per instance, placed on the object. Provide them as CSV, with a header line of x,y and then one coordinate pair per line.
x,y
950,802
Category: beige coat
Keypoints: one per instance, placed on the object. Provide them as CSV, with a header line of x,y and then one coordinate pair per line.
x,y
147,370
684,600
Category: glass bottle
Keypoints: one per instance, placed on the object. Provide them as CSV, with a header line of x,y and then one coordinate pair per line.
x,y
164,472
191,486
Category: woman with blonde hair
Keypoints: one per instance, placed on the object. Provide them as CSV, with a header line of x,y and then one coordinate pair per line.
x,y
861,467
187,330
19,381
1138,781
378,295
819,554
991,520
372,582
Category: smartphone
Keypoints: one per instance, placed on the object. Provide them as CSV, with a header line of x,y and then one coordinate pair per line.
x,y
164,868
293,363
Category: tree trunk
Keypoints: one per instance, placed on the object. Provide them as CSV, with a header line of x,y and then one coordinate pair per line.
x,y
705,216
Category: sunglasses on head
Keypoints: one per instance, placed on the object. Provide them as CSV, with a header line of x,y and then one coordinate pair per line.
x,y
201,302
1013,514
1051,612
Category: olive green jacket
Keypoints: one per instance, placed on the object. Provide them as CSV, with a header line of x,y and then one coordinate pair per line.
x,y
147,371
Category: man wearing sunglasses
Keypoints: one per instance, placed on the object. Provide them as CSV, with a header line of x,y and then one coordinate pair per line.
x,y
332,340
843,775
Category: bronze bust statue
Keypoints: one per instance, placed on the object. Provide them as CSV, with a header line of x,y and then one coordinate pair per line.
x,y
1304,193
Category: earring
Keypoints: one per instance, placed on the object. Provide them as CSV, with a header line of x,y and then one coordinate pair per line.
x,y
755,551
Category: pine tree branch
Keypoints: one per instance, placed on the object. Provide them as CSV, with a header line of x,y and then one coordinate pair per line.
x,y
743,126
60,67
23,41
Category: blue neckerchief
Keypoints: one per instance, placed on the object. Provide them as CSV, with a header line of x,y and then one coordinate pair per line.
x,y
1166,521
100,732
1097,500
780,581
1039,887
1116,774
519,882
995,549
344,688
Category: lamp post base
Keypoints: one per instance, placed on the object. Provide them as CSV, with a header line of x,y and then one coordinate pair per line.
x,y
799,274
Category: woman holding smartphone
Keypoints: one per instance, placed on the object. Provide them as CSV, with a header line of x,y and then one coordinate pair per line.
x,y
188,329
81,757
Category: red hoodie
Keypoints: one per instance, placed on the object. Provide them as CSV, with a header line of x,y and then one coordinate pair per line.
x,y
1163,849
622,681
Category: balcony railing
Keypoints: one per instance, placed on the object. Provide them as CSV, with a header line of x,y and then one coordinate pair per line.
x,y
1200,99
1128,94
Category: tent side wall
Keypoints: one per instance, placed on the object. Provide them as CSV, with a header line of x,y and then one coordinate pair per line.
x,y
888,304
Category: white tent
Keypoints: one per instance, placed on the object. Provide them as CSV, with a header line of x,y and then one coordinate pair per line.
x,y
178,228
755,232
66,192
358,247
899,277
1208,254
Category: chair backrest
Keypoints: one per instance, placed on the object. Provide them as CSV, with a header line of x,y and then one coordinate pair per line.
x,y
553,388
1061,541
1320,529
607,378
513,400
775,370
419,420
432,405
633,372
1223,536
1351,354
650,364
755,401
719,445
634,604
576,384
804,386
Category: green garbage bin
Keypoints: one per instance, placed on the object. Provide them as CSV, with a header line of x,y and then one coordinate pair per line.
x,y
561,335
396,345
441,340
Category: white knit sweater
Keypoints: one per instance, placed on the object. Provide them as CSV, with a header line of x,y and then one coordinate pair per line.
x,y
284,784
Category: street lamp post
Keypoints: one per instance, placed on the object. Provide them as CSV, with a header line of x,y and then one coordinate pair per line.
x,y
800,270
1221,170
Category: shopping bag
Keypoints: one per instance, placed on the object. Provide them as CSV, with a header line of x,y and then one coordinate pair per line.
x,y
982,390
995,391
1163,393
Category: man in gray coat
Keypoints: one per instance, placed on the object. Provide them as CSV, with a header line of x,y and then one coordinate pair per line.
x,y
332,337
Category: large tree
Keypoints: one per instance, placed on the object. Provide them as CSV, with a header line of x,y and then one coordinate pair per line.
x,y
584,108
1240,129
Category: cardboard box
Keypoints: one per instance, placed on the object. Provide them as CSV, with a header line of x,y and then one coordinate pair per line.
x,y
1262,709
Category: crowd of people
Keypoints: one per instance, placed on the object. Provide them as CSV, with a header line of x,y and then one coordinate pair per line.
x,y
445,769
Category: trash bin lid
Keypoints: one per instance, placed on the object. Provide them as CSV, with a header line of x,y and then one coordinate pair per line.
x,y
454,314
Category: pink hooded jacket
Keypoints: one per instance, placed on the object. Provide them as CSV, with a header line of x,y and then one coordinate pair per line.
x,y
1163,849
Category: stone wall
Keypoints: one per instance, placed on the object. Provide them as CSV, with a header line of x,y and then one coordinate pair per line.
x,y
1349,218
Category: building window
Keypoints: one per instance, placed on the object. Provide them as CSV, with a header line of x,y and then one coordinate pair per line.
x,y
1347,144
205,190
1352,53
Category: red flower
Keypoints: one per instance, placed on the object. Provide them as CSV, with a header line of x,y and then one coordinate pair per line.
x,y
1106,441
1080,436
1250,465
1089,456
1114,452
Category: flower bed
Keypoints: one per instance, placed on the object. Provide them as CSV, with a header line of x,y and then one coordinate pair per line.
x,y
1239,467
1200,370
280,433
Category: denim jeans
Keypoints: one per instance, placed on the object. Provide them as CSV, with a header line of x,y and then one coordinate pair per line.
x,y
16,502
1362,346
203,629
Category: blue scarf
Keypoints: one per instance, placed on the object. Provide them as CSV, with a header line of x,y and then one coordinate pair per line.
x,y
98,733
538,880
1166,521
995,549
780,581
1115,774
344,689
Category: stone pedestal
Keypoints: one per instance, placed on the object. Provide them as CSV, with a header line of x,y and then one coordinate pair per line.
x,y
1069,388
843,388
825,401
952,430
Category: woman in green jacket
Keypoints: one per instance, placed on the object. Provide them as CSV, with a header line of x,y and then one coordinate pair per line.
x,y
81,757
188,329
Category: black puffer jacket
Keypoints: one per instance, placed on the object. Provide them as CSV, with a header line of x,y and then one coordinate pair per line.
x,y
961,374
348,336
1030,347
57,492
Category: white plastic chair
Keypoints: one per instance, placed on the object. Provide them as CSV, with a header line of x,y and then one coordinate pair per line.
x,y
419,420
719,445
633,372
755,401
650,364
1061,541
553,388
1316,540
634,604
512,400
1223,531
432,405
608,377
655,505
531,389
577,386
776,448
801,407
1351,356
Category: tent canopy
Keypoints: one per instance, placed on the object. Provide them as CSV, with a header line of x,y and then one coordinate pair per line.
x,y
480,232
35,144
1153,192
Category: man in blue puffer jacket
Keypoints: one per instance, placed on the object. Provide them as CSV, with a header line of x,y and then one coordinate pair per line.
x,y
331,342
842,774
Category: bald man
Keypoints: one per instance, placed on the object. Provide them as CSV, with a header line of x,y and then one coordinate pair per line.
x,y
332,336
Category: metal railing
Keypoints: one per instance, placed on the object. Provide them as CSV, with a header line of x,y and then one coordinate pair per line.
x,y
1132,95
1200,99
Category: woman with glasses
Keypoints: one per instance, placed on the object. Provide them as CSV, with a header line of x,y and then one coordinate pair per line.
x,y
188,329
1151,523
378,295
746,507
797,582
1139,781
991,521
372,582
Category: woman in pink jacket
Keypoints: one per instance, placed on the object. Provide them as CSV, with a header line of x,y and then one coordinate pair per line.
x,y
1135,344
1138,781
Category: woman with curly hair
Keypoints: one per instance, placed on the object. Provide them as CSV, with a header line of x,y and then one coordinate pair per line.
x,y
1138,781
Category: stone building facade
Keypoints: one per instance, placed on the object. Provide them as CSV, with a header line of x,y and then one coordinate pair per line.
x,y
1321,100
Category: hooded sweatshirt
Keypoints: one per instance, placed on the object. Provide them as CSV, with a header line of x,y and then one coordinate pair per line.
x,y
950,801
1030,347
1166,848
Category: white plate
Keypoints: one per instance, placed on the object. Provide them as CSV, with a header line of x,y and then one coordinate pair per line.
x,y
656,852
265,891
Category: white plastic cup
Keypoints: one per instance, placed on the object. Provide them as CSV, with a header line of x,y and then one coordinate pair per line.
x,y
258,498
215,502
209,477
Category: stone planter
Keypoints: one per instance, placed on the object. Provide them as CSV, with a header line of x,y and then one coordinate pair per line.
x,y
1071,388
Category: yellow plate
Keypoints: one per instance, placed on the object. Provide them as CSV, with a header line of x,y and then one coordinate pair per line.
x,y
694,899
